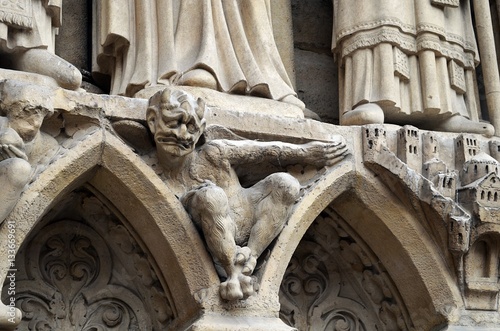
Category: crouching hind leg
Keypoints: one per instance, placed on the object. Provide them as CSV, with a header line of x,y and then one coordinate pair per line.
x,y
209,208
274,197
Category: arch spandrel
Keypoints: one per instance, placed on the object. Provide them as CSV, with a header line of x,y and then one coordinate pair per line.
x,y
114,172
411,257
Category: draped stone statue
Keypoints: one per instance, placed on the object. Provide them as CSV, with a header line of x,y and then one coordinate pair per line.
x,y
27,34
408,62
222,45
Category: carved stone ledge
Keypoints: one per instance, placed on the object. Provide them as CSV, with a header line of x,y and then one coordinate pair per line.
x,y
246,323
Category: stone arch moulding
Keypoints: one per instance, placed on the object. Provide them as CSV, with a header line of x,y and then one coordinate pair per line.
x,y
412,259
109,166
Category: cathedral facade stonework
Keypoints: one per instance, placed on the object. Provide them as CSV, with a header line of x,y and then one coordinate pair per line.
x,y
250,165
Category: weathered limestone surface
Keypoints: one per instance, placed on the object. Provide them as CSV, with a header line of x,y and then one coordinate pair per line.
x,y
199,209
388,205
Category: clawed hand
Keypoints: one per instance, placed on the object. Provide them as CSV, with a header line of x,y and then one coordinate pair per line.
x,y
325,154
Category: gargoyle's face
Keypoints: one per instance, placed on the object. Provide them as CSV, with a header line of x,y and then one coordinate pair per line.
x,y
26,123
176,128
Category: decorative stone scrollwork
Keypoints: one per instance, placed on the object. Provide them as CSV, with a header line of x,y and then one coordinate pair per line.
x,y
70,277
334,282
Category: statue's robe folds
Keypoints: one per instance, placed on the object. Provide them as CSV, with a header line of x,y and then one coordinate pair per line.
x,y
146,43
26,24
414,58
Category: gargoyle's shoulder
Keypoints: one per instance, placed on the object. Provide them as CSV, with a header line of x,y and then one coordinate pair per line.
x,y
217,132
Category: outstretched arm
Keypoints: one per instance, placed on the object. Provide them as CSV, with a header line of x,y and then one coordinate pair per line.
x,y
279,153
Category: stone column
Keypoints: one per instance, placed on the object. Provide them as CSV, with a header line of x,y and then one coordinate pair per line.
x,y
488,56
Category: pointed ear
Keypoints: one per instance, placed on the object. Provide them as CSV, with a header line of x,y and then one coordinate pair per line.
x,y
165,95
200,111
203,125
151,119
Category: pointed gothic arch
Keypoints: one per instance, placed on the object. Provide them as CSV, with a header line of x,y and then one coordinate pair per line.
x,y
413,260
105,164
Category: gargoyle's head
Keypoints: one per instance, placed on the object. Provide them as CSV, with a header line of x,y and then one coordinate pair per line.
x,y
26,121
176,120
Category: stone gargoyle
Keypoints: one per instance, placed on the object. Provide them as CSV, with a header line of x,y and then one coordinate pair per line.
x,y
238,223
23,147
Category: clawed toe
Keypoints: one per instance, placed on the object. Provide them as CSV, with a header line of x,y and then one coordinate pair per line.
x,y
247,285
242,256
231,290
249,266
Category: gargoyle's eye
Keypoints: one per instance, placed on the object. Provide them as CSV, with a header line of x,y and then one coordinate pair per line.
x,y
192,127
172,124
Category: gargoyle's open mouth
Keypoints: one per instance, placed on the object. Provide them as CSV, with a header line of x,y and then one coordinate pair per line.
x,y
184,144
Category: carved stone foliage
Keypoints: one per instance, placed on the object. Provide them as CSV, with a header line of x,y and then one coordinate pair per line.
x,y
334,282
82,269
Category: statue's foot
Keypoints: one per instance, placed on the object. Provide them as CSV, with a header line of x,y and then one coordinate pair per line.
x,y
43,62
246,284
10,317
198,78
231,290
310,114
291,99
460,124
368,113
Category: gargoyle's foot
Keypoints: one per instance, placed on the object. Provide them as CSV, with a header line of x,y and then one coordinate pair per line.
x,y
242,255
231,289
368,113
239,285
245,259
246,284
43,62
460,124
249,266
198,78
